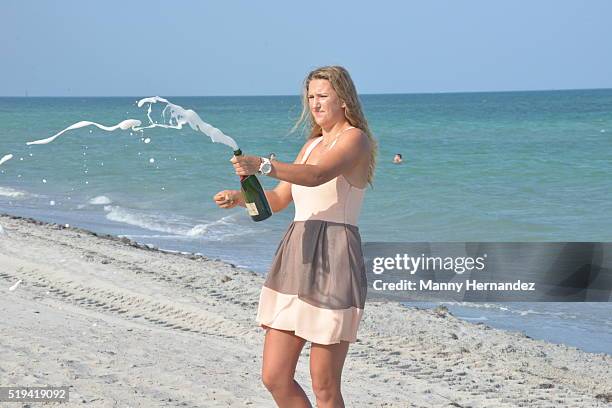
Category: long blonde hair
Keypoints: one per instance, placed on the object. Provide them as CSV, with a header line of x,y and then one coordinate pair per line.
x,y
342,83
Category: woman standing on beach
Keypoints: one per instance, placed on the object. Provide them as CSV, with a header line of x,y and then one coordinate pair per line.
x,y
315,290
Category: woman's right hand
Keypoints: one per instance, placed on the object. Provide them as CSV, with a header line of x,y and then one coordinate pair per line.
x,y
228,198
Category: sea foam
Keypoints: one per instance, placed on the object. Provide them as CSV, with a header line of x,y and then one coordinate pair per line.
x,y
100,200
225,228
9,192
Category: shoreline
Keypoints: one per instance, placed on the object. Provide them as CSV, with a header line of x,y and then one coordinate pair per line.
x,y
126,322
111,237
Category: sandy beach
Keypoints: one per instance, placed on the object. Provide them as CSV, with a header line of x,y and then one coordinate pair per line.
x,y
124,325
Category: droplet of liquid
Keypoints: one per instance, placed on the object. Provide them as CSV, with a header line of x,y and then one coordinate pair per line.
x,y
151,160
147,140
44,180
51,202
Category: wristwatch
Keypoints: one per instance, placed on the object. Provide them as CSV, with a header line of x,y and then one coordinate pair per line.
x,y
265,167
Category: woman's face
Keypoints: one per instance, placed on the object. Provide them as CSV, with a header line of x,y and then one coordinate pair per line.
x,y
325,105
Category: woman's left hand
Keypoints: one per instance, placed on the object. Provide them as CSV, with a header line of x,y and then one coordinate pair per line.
x,y
246,165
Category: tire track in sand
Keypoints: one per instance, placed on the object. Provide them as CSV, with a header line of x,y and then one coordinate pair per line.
x,y
130,305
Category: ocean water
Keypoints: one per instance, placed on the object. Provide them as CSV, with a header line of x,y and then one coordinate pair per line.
x,y
508,166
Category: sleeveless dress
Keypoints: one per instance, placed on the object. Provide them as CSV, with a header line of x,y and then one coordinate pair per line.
x,y
316,286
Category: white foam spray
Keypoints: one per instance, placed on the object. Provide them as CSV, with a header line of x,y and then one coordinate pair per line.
x,y
6,158
179,117
124,125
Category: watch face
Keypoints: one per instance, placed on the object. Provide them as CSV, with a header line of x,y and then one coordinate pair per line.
x,y
266,168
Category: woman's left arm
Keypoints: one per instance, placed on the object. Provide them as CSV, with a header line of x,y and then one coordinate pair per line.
x,y
348,152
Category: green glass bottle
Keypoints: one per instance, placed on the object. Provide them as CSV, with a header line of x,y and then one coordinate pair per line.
x,y
254,197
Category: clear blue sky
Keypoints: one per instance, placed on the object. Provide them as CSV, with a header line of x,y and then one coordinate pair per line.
x,y
136,48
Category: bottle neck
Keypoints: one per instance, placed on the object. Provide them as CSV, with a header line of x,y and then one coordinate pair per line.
x,y
238,152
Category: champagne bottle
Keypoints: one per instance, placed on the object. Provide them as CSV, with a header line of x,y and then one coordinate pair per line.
x,y
254,197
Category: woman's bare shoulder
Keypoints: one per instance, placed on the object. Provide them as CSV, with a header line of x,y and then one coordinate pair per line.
x,y
355,138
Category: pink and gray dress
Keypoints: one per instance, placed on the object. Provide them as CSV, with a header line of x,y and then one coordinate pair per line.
x,y
317,286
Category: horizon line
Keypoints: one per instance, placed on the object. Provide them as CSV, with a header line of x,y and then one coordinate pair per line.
x,y
297,95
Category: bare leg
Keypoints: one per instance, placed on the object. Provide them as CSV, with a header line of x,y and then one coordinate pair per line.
x,y
280,356
326,362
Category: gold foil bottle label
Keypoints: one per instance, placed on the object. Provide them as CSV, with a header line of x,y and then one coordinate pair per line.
x,y
252,209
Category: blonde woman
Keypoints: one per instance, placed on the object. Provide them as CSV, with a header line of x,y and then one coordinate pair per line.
x,y
315,290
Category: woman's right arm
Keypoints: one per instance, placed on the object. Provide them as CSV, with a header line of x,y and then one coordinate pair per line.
x,y
278,198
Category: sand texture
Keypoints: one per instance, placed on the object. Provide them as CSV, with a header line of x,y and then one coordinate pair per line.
x,y
128,326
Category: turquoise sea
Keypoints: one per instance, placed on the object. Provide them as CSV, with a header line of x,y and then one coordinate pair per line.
x,y
507,166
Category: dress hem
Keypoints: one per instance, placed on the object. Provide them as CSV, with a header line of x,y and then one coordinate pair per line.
x,y
318,325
